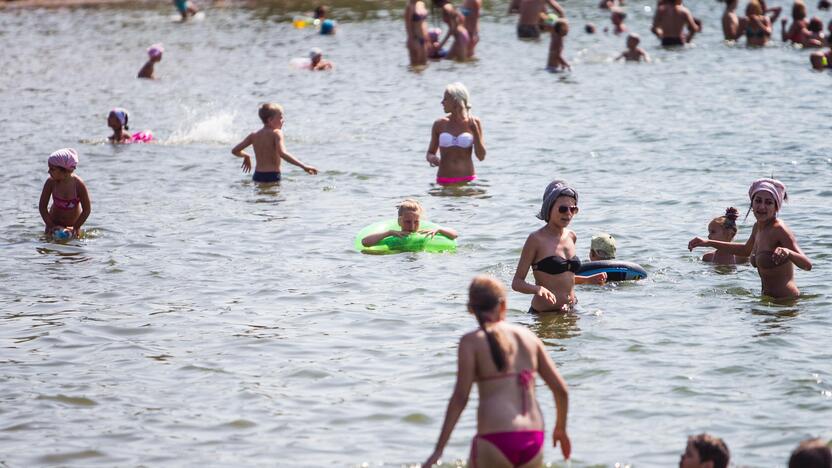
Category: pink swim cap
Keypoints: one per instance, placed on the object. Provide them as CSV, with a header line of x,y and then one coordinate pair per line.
x,y
776,188
66,158
155,50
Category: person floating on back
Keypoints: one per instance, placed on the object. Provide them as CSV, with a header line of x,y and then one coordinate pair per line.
x,y
154,54
269,147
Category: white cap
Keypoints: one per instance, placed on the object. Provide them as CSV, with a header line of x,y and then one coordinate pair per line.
x,y
314,52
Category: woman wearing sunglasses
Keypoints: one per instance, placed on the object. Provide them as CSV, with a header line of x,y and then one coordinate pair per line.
x,y
550,253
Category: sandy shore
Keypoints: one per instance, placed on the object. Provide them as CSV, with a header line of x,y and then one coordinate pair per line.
x,y
9,4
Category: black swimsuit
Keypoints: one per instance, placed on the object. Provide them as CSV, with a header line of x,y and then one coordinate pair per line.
x,y
555,265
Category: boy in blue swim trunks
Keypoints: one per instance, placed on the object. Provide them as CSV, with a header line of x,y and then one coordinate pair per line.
x,y
269,147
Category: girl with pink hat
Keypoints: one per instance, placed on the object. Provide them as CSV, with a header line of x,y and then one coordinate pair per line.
x,y
772,247
70,199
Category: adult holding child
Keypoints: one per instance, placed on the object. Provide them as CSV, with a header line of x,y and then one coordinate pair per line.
x,y
503,358
551,254
456,136
772,247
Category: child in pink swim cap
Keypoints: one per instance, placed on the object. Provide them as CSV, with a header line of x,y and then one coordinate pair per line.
x,y
154,54
70,200
772,247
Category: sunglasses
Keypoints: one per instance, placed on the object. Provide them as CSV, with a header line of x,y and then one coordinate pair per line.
x,y
571,209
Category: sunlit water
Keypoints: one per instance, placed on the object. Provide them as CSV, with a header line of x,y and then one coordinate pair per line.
x,y
207,320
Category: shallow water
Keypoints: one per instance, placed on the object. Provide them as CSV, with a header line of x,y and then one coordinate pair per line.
x,y
207,320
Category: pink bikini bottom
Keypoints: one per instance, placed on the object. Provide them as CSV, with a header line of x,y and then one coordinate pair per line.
x,y
455,180
518,447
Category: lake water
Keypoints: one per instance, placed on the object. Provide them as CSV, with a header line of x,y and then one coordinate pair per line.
x,y
205,320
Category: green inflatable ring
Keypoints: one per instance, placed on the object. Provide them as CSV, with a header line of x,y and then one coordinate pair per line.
x,y
414,242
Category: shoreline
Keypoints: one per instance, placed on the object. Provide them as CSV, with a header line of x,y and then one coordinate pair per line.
x,y
25,4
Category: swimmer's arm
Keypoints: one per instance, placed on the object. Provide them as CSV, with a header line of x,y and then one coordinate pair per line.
x,y
479,146
735,248
433,146
795,255
519,283
281,151
238,151
623,55
374,239
43,204
408,27
556,6
549,373
86,205
644,55
691,23
597,278
776,12
783,33
459,399
450,233
655,29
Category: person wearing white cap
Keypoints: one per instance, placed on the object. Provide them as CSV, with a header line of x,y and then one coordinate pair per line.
x,y
602,247
317,62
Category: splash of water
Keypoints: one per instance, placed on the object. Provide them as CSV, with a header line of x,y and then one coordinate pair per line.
x,y
211,128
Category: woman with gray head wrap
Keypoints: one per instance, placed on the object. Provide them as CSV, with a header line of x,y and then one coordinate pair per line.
x,y
550,253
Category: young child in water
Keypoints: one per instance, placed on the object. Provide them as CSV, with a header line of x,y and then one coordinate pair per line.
x,y
434,50
118,119
617,17
772,247
409,213
154,56
269,147
602,247
723,228
70,200
556,61
634,53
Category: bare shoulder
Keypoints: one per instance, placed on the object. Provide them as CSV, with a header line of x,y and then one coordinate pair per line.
x,y
471,338
573,235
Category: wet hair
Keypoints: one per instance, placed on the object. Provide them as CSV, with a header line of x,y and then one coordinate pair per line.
x,y
815,25
459,93
618,12
799,10
811,453
269,110
485,294
753,8
589,28
728,220
824,4
410,205
320,11
712,449
560,25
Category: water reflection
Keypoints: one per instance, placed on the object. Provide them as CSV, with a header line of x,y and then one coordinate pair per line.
x,y
555,326
773,321
462,190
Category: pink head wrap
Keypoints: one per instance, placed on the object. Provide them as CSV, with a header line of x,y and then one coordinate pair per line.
x,y
772,186
66,158
155,50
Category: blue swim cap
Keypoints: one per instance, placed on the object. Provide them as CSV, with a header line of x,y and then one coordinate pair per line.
x,y
327,26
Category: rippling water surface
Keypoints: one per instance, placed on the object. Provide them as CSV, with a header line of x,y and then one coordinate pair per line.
x,y
207,320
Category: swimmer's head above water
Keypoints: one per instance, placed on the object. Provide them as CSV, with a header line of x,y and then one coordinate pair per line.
x,y
410,211
118,118
767,197
155,52
724,228
456,98
555,190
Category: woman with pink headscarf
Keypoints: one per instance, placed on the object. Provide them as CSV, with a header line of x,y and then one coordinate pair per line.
x,y
70,199
772,247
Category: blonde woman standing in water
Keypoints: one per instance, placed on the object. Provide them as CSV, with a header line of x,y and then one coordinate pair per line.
x,y
456,136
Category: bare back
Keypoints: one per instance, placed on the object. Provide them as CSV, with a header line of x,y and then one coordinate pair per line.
x,y
502,406
530,11
672,20
266,143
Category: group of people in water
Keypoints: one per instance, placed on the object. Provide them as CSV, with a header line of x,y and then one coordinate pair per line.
x,y
673,24
502,358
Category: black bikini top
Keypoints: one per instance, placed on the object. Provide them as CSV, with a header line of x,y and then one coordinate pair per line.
x,y
556,265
